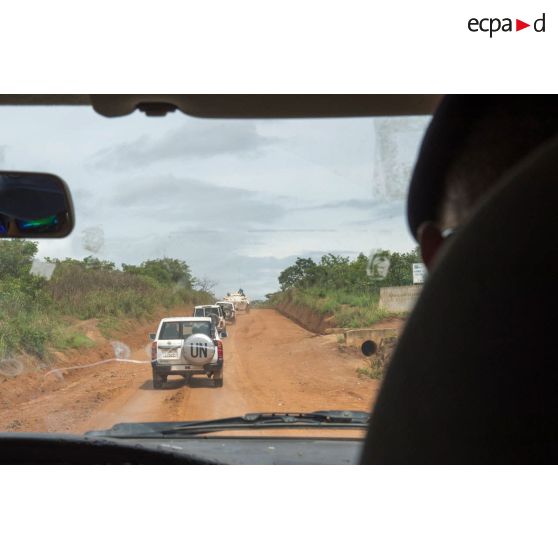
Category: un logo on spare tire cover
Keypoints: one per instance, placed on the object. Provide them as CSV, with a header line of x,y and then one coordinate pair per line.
x,y
199,349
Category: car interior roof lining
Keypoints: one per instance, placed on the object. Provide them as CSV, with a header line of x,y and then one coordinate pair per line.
x,y
242,106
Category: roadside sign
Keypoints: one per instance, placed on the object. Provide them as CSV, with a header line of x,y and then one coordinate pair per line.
x,y
419,273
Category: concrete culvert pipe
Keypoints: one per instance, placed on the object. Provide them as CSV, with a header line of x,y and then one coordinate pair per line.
x,y
368,348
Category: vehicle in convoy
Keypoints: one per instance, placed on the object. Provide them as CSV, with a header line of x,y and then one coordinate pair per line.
x,y
215,313
239,299
229,310
186,347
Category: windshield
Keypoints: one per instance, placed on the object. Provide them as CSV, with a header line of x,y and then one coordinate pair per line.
x,y
304,217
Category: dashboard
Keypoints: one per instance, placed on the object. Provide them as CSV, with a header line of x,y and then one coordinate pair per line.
x,y
43,449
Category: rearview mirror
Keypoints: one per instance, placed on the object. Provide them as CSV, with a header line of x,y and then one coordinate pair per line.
x,y
152,336
34,205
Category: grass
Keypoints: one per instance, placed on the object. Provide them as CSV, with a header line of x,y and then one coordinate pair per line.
x,y
73,340
97,293
374,371
108,326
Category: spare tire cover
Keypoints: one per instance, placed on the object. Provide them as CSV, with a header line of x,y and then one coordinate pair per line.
x,y
198,349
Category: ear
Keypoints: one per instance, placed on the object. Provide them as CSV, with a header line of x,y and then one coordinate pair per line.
x,y
430,239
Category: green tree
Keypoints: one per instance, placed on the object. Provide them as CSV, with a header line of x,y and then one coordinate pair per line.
x,y
401,268
341,274
333,272
164,271
16,258
302,271
358,274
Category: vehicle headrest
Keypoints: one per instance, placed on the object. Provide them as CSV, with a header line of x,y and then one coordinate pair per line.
x,y
474,378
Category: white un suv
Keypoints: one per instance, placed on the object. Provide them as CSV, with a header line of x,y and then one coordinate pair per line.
x,y
184,347
215,312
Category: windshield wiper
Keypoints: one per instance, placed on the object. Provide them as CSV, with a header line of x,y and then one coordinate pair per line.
x,y
316,419
320,419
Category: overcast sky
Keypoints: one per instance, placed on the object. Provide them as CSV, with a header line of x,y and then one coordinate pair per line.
x,y
237,200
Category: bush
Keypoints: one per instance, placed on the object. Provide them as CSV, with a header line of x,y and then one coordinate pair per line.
x,y
33,311
343,288
373,372
340,273
30,331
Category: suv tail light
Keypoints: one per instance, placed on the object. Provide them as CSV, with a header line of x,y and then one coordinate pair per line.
x,y
219,345
154,350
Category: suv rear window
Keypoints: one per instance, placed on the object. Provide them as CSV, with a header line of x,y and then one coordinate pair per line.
x,y
182,330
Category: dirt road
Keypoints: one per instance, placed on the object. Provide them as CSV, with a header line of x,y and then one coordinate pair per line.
x,y
271,364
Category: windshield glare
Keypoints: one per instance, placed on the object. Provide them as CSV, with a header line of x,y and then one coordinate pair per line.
x,y
303,217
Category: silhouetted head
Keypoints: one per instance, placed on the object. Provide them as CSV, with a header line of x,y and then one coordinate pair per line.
x,y
472,141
